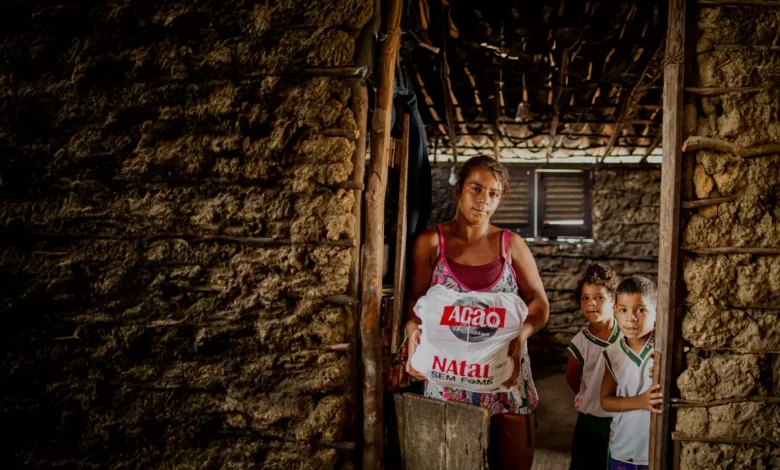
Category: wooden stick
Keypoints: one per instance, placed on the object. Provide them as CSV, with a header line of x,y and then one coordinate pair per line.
x,y
626,111
653,416
736,350
718,91
351,134
730,250
341,347
771,307
682,403
371,350
656,142
738,3
695,143
680,437
445,79
671,191
331,299
347,72
266,241
557,101
262,241
400,242
706,202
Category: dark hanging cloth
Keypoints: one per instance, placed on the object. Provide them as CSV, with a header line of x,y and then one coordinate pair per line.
x,y
419,187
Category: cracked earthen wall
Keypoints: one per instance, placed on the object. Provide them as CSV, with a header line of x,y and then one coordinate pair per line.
x,y
144,144
625,214
730,319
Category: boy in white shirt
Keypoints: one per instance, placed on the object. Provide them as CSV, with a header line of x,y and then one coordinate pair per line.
x,y
627,389
596,294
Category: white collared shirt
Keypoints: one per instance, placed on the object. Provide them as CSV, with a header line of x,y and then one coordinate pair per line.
x,y
629,438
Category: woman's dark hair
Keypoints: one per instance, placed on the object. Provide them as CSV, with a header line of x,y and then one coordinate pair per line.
x,y
599,274
488,163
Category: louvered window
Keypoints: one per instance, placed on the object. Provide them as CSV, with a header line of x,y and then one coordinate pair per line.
x,y
545,203
563,208
516,209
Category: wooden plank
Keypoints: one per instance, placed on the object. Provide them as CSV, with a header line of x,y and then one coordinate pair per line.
x,y
424,433
400,423
359,107
399,284
467,432
668,251
371,286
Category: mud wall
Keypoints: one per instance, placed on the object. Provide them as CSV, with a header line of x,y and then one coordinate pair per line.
x,y
730,319
626,205
150,150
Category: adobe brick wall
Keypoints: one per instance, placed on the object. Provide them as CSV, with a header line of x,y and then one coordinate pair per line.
x,y
731,338
137,139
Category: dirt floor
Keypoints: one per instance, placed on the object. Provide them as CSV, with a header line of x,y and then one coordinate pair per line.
x,y
556,417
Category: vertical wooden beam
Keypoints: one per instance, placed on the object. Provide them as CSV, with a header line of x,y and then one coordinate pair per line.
x,y
668,252
360,112
400,240
371,351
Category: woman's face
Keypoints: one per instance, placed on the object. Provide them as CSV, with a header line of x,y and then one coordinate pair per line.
x,y
479,196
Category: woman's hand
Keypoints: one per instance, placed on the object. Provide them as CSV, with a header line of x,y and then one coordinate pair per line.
x,y
652,397
413,332
515,352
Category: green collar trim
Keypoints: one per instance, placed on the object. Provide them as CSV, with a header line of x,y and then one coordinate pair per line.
x,y
643,354
600,342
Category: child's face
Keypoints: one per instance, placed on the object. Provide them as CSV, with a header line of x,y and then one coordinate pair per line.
x,y
596,303
635,315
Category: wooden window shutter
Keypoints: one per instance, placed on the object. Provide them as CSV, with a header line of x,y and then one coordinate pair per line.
x,y
564,205
515,212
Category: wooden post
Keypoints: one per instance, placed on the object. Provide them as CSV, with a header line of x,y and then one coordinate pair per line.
x,y
371,351
668,266
400,241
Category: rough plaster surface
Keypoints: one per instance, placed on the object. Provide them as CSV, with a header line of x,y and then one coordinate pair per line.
x,y
625,222
132,133
701,456
736,420
723,292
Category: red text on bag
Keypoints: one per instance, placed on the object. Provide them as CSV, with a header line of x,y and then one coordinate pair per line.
x,y
460,315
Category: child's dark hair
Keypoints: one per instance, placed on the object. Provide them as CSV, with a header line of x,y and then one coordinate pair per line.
x,y
488,163
638,285
599,274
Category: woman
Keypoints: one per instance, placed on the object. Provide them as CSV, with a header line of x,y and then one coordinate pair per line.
x,y
469,254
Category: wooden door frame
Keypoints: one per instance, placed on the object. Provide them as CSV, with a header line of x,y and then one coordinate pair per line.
x,y
669,273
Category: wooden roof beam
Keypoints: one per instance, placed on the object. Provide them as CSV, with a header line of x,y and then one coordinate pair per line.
x,y
625,111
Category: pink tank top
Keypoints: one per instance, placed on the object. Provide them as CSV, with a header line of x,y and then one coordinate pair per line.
x,y
522,398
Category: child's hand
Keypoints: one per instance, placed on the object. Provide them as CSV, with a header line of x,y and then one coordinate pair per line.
x,y
651,398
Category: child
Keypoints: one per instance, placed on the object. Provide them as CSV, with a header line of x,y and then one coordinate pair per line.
x,y
596,294
627,389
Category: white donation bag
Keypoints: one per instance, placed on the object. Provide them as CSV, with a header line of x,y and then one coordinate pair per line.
x,y
465,338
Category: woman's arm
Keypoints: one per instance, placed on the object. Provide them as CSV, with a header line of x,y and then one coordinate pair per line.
x,y
615,404
573,376
531,288
425,248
